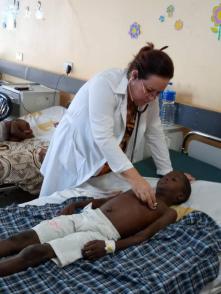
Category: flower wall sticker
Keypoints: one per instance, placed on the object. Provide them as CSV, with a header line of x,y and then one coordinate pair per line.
x,y
216,19
178,25
170,10
134,31
162,18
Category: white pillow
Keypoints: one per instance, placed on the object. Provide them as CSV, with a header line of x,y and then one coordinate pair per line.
x,y
206,196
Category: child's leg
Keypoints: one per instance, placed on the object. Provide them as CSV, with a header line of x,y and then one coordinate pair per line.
x,y
16,243
32,256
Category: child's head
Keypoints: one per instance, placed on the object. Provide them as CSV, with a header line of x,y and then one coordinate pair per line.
x,y
175,187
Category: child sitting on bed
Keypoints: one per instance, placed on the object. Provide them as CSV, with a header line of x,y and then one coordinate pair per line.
x,y
104,226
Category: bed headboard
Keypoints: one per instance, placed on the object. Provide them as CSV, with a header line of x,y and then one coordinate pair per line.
x,y
197,119
43,77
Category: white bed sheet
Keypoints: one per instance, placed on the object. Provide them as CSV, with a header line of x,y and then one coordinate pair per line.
x,y
205,197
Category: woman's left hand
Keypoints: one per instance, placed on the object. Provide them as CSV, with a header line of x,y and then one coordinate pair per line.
x,y
190,177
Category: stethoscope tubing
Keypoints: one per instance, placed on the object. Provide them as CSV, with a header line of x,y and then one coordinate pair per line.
x,y
139,112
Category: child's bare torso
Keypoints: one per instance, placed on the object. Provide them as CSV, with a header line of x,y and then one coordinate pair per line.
x,y
129,215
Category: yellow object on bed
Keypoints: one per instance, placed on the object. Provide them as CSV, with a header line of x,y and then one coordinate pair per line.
x,y
181,211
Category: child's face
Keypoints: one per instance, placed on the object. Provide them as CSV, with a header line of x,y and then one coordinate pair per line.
x,y
171,184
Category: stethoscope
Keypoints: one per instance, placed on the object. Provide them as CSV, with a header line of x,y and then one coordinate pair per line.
x,y
139,112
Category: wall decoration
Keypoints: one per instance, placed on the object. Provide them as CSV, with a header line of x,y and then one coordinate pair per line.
x,y
178,25
39,13
9,15
27,12
216,19
134,31
162,18
170,10
17,4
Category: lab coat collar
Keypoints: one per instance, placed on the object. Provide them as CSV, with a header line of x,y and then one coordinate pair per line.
x,y
122,86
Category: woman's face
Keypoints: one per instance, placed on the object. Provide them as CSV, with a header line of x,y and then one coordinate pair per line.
x,y
143,92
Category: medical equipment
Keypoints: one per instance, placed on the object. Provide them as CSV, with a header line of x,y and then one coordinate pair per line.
x,y
139,112
28,98
5,106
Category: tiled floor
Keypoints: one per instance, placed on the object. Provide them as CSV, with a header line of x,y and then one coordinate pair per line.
x,y
15,196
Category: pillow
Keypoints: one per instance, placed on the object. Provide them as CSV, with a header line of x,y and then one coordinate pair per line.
x,y
206,196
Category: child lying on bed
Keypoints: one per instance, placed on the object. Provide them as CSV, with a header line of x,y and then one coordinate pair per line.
x,y
105,225
23,144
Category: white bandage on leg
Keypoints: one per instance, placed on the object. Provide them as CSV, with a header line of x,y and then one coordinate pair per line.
x,y
110,246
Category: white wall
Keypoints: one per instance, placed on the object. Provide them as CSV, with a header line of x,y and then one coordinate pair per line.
x,y
94,35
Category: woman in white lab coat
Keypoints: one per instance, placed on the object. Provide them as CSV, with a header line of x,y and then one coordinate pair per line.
x,y
90,133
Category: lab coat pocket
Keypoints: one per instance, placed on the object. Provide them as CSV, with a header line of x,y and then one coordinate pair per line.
x,y
73,158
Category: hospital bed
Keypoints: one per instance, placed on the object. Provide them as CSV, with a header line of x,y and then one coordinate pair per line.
x,y
59,82
183,258
197,157
15,157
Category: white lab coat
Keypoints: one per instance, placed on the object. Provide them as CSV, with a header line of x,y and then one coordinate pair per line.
x,y
90,132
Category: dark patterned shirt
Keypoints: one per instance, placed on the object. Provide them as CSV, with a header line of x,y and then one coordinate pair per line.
x,y
130,122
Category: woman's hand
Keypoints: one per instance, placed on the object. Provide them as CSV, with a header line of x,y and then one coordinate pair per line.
x,y
145,192
190,177
141,187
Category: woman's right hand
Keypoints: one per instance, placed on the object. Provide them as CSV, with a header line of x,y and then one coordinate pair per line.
x,y
144,192
141,187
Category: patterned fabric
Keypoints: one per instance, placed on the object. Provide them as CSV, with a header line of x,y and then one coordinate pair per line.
x,y
131,118
179,259
20,163
130,123
3,131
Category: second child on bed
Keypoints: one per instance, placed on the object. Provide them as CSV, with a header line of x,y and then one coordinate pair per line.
x,y
104,226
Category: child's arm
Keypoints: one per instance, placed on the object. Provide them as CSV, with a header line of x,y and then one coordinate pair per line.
x,y
96,203
96,249
166,219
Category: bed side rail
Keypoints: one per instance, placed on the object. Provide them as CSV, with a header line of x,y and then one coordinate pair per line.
x,y
190,135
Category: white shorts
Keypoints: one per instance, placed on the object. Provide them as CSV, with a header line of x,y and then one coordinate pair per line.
x,y
67,234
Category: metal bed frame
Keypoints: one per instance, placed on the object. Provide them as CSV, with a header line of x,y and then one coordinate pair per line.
x,y
191,134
